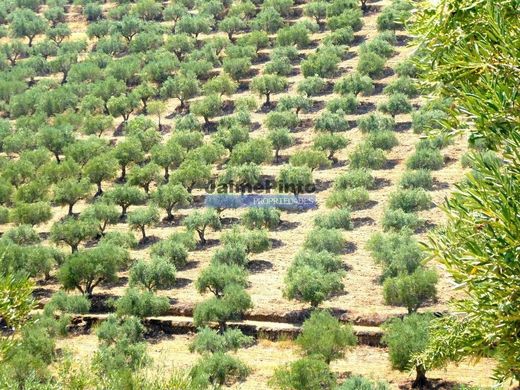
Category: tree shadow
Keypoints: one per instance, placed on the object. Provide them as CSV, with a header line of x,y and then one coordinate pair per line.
x,y
381,183
191,265
358,39
323,185
102,303
362,221
287,225
257,266
210,243
41,293
349,248
229,221
365,108
403,126
46,281
276,243
440,185
147,242
391,163
182,282
166,223
120,282
433,384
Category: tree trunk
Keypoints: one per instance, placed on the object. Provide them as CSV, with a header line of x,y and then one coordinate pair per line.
x,y
123,173
57,155
420,379
99,190
201,237
166,174
143,233
277,155
222,327
364,7
74,247
169,215
268,98
88,291
123,211
70,209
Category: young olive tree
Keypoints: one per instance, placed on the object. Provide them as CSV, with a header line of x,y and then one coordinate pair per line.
x,y
199,221
69,192
267,85
142,218
126,196
156,274
406,338
73,231
323,336
85,269
170,196
280,138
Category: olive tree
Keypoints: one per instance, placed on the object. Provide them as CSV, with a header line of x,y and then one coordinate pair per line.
x,y
55,139
207,107
156,274
181,86
267,85
310,284
233,302
223,84
70,191
302,374
170,196
126,196
73,231
280,138
323,336
103,212
127,152
406,338
397,103
412,290
99,169
122,105
142,218
85,269
143,176
192,172
312,159
330,143
295,179
31,213
230,25
26,23
199,221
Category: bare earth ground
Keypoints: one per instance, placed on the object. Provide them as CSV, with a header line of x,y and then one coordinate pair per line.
x,y
264,357
363,294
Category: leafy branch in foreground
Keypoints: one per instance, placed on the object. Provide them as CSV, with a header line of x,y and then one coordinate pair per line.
x,y
479,244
